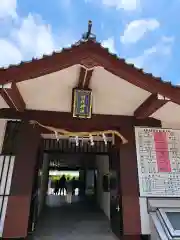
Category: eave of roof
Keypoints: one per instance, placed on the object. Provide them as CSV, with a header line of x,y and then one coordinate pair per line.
x,y
100,56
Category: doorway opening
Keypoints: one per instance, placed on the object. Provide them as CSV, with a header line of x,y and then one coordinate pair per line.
x,y
57,182
95,208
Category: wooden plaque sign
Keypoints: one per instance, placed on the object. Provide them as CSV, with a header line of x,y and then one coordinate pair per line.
x,y
158,160
82,103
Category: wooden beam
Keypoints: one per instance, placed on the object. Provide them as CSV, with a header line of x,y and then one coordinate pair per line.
x,y
150,105
84,78
13,97
66,121
81,77
89,54
88,78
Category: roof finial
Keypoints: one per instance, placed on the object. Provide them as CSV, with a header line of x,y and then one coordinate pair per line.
x,y
89,35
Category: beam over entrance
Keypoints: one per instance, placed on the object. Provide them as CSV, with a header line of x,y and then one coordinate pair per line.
x,y
150,105
65,120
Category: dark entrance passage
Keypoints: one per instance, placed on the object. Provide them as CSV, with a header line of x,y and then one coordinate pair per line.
x,y
80,220
96,212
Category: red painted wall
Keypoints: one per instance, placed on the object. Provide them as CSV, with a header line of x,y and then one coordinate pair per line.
x,y
16,221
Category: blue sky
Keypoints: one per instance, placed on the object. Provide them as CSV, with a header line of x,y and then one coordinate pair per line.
x,y
144,32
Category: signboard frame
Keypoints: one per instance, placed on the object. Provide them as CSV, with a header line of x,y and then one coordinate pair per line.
x,y
165,176
87,103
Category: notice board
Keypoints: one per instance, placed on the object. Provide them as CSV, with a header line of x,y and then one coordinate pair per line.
x,y
158,161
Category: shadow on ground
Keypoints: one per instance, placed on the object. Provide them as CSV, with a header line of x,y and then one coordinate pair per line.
x,y
80,220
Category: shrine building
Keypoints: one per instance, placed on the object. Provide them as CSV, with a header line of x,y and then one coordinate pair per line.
x,y
86,109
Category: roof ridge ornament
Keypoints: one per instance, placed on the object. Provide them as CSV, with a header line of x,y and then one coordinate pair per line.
x,y
89,35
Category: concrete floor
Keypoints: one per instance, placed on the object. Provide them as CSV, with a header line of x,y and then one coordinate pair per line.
x,y
79,221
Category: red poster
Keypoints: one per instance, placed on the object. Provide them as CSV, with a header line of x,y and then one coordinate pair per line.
x,y
162,153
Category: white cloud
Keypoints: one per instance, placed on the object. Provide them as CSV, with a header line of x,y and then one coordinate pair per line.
x,y
29,36
140,61
151,56
168,39
33,37
127,5
8,8
10,54
110,44
136,29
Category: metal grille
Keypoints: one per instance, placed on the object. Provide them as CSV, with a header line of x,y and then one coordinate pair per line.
x,y
66,146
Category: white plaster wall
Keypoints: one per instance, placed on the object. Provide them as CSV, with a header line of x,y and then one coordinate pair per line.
x,y
47,93
3,123
103,198
44,182
171,125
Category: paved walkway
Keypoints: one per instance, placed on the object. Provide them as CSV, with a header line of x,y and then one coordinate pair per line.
x,y
78,221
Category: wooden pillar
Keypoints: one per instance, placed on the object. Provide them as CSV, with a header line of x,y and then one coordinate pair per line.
x,y
129,183
129,179
18,207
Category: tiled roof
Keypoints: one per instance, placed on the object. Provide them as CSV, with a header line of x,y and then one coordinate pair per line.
x,y
74,54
